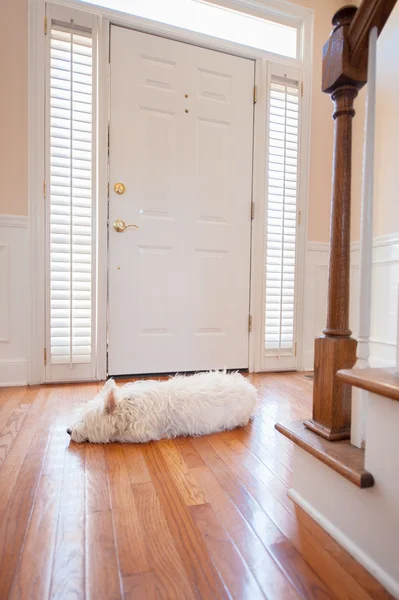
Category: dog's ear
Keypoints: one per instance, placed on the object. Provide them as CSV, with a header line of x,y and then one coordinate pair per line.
x,y
110,400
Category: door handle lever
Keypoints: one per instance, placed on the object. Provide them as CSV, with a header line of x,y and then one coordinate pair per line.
x,y
120,226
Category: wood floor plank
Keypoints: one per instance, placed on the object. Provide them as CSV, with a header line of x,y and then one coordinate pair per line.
x,y
68,573
235,573
42,529
338,580
260,469
5,398
102,573
330,572
11,429
10,469
279,455
33,576
97,491
136,466
268,574
9,402
187,518
180,473
15,518
189,453
199,567
142,586
302,577
166,563
365,580
129,537
16,515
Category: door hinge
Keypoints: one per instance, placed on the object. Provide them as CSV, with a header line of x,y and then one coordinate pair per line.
x,y
45,356
45,26
250,323
45,188
252,210
299,217
301,89
295,348
255,94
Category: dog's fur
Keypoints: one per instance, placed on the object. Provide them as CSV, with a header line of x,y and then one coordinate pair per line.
x,y
151,410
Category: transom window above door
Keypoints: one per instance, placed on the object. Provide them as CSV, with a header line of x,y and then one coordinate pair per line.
x,y
248,28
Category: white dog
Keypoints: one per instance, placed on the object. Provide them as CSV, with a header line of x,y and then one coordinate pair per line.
x,y
151,410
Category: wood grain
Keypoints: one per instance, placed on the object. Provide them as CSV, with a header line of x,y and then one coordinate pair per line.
x,y
249,496
163,555
371,13
102,574
199,567
33,576
68,573
336,349
342,457
235,574
137,469
187,518
15,457
132,555
384,382
264,568
188,488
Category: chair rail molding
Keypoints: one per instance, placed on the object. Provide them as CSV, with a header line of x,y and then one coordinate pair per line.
x,y
13,221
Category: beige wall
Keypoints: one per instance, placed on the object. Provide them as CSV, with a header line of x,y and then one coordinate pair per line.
x,y
386,203
14,107
321,126
13,111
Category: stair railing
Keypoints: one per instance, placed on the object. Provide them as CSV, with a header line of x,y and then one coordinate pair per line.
x,y
345,71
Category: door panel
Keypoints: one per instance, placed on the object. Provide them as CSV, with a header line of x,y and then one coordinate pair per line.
x,y
181,128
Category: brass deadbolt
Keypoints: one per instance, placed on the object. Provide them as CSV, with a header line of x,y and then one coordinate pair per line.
x,y
119,188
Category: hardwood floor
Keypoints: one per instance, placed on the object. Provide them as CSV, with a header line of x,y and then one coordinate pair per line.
x,y
178,519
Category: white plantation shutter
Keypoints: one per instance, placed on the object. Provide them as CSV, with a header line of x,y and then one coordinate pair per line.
x,y
281,218
70,174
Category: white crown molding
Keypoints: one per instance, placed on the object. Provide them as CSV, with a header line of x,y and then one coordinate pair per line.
x,y
13,221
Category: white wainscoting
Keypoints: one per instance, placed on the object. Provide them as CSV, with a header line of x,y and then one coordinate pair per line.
x,y
384,298
14,300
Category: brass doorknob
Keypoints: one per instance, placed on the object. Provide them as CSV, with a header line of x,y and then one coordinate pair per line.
x,y
119,188
120,226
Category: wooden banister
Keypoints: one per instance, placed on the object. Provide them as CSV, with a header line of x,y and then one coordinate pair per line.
x,y
331,399
345,58
371,13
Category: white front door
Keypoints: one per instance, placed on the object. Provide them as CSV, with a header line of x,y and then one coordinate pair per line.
x,y
181,133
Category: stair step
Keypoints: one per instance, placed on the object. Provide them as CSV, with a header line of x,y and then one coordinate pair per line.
x,y
342,457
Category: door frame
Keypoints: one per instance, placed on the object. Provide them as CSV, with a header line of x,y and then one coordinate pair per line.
x,y
300,68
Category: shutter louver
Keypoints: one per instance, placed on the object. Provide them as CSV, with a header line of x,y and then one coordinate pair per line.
x,y
70,191
281,218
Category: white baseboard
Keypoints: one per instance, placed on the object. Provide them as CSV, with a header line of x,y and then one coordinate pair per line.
x,y
368,563
13,372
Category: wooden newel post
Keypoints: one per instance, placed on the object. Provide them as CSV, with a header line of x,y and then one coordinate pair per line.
x,y
336,349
